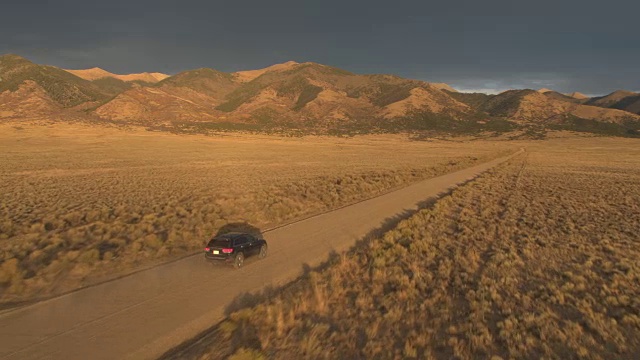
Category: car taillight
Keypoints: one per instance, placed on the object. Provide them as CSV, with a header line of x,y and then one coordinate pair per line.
x,y
206,249
227,251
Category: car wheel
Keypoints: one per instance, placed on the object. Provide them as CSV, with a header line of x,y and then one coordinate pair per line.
x,y
263,252
238,261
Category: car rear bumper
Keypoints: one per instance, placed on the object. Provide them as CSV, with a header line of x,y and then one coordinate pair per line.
x,y
218,259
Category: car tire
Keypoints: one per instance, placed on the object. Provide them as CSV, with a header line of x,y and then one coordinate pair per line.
x,y
238,261
263,252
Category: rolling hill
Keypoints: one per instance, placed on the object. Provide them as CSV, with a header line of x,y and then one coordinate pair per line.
x,y
578,95
306,95
28,101
62,87
562,97
248,75
611,99
630,104
319,91
159,106
207,81
547,110
621,100
187,96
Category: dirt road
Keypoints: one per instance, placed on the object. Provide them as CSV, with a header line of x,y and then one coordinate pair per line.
x,y
143,315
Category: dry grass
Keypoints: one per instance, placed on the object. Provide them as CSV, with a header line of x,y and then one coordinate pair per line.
x,y
536,259
81,204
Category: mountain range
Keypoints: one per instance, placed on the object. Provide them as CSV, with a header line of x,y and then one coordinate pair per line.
x,y
306,96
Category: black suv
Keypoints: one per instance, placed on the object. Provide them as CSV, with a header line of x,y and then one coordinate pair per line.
x,y
234,248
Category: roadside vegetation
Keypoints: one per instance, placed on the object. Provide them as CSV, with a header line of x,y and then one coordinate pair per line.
x,y
80,206
537,258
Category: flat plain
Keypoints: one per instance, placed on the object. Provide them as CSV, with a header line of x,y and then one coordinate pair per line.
x,y
536,258
83,204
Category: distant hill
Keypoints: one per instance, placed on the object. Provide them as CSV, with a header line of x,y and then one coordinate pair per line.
x,y
474,100
552,110
290,94
324,94
112,86
574,97
621,99
187,96
98,73
578,95
248,75
206,81
443,86
91,74
158,106
62,87
532,106
28,101
629,103
611,99
562,97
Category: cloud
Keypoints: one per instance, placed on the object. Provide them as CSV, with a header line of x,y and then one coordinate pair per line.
x,y
495,44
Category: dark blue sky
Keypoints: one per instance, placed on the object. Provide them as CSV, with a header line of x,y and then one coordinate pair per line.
x,y
588,46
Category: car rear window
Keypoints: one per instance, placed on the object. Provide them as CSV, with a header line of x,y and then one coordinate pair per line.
x,y
220,242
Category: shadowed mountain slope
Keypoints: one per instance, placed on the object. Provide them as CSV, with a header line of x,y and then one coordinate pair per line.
x,y
621,100
62,87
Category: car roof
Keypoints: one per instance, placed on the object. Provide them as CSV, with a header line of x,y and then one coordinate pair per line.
x,y
231,235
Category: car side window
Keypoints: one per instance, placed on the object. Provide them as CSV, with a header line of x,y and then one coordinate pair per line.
x,y
241,240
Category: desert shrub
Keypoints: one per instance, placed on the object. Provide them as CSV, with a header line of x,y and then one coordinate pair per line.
x,y
152,241
8,270
89,256
113,209
574,123
536,258
6,229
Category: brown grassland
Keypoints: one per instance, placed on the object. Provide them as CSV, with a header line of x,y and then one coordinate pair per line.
x,y
537,258
81,204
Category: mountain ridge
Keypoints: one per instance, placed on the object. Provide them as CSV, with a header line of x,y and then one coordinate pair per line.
x,y
64,88
96,73
619,99
308,95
